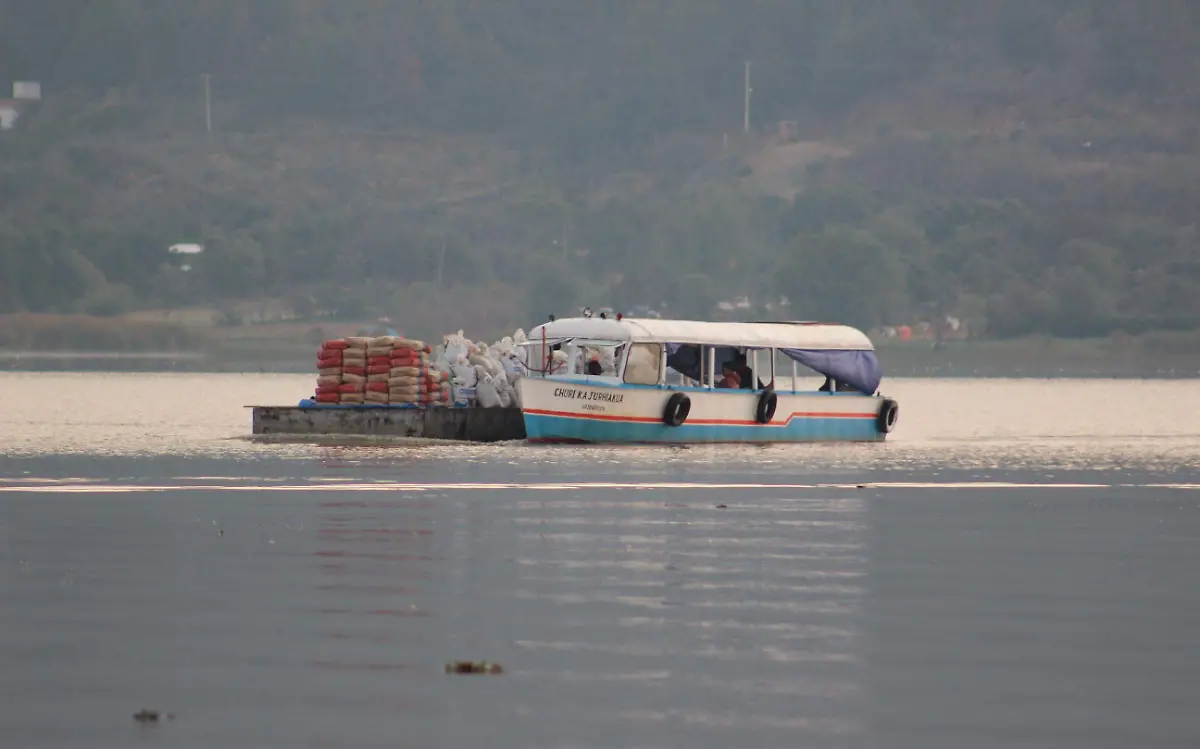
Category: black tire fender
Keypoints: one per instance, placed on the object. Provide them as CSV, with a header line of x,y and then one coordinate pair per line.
x,y
677,409
889,413
767,403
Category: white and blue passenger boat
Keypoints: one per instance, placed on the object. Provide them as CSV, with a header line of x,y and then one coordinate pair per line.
x,y
680,381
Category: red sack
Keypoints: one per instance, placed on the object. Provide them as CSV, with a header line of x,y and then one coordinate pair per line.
x,y
379,369
329,362
360,371
337,343
352,387
377,387
376,361
328,398
328,389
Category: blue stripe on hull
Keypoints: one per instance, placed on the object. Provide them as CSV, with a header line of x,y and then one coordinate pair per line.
x,y
558,428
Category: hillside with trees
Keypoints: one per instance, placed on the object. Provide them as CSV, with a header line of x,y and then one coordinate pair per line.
x,y
1025,166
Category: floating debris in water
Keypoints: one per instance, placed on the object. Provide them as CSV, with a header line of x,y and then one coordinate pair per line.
x,y
473,667
152,716
722,507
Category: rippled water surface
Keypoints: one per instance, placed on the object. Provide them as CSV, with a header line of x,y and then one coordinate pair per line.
x,y
1018,566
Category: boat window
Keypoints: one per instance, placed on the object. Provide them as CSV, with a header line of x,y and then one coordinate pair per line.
x,y
684,364
574,356
767,372
674,377
793,377
689,363
573,364
743,361
643,362
599,358
760,368
546,357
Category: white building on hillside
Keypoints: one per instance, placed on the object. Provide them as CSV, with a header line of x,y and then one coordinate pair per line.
x,y
24,94
27,90
10,112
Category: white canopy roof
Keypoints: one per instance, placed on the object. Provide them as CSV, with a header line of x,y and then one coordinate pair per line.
x,y
795,335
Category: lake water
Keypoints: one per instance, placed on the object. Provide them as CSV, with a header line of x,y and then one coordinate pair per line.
x,y
1018,566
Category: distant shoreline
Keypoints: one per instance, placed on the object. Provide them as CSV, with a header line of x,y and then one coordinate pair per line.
x,y
89,355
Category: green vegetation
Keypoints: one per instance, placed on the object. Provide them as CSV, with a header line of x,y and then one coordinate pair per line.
x,y
34,332
1027,167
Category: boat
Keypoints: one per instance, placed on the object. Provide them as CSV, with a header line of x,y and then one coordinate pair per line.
x,y
667,382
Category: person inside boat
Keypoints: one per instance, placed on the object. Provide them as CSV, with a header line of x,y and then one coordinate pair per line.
x,y
744,373
729,377
594,368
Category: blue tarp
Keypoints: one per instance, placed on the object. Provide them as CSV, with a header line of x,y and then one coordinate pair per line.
x,y
858,369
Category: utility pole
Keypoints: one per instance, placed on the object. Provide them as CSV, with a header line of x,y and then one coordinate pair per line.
x,y
208,104
441,262
746,111
566,228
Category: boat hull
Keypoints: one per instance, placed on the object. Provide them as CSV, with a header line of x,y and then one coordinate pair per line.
x,y
557,410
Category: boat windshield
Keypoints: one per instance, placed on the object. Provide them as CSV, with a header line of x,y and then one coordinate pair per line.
x,y
575,356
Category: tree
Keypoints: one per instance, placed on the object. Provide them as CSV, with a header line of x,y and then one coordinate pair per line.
x,y
844,275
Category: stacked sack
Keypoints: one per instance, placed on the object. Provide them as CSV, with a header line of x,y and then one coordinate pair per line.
x,y
379,368
482,375
342,371
392,370
410,379
452,362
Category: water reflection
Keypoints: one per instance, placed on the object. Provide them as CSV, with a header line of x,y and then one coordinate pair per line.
x,y
963,424
710,609
990,578
1065,623
919,616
